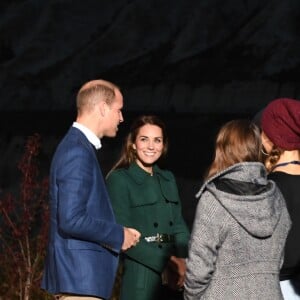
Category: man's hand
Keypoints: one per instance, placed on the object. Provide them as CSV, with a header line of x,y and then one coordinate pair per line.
x,y
131,238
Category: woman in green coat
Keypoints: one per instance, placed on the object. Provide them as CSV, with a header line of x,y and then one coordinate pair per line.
x,y
145,197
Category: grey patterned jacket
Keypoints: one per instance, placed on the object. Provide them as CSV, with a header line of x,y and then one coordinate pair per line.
x,y
238,236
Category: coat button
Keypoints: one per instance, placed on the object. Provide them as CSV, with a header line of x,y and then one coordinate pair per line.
x,y
160,246
155,224
171,223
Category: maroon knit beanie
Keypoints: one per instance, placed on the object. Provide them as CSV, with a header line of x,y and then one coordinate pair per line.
x,y
281,123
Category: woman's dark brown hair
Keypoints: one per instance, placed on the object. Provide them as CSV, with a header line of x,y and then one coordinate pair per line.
x,y
128,154
237,141
273,157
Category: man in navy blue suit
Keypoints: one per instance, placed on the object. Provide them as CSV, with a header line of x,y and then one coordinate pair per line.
x,y
84,239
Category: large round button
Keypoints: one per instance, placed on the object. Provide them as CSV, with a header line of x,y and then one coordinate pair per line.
x,y
155,224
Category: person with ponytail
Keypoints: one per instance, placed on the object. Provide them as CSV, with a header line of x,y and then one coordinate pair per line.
x,y
241,223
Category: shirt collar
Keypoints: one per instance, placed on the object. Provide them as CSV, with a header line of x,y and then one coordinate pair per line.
x,y
92,138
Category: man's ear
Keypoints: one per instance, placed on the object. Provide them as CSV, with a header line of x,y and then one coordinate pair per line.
x,y
102,106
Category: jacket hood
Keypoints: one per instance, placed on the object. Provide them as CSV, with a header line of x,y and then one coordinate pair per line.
x,y
244,191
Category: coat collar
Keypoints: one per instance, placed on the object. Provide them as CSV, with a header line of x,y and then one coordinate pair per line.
x,y
253,172
140,176
83,139
90,135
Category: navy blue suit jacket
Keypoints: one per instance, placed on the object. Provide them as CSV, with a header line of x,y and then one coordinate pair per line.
x,y
84,240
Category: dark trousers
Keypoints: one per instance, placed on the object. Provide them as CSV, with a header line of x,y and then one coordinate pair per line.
x,y
168,294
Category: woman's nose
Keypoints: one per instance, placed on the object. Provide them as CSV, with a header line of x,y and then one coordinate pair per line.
x,y
150,145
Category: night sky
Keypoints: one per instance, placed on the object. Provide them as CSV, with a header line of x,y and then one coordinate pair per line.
x,y
195,63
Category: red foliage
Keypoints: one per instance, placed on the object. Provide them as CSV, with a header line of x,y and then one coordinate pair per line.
x,y
24,220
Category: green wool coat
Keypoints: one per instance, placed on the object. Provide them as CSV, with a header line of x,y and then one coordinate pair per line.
x,y
151,204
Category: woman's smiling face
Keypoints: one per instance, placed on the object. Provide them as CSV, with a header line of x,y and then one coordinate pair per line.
x,y
149,145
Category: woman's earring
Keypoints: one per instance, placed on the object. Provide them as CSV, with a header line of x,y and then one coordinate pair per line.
x,y
264,152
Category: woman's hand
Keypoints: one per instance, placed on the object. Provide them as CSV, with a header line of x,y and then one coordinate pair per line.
x,y
174,272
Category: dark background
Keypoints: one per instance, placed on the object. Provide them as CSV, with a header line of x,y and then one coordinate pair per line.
x,y
196,64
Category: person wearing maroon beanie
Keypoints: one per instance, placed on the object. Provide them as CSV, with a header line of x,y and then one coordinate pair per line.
x,y
280,124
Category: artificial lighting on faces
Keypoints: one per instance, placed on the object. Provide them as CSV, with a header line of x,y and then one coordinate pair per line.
x,y
149,146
